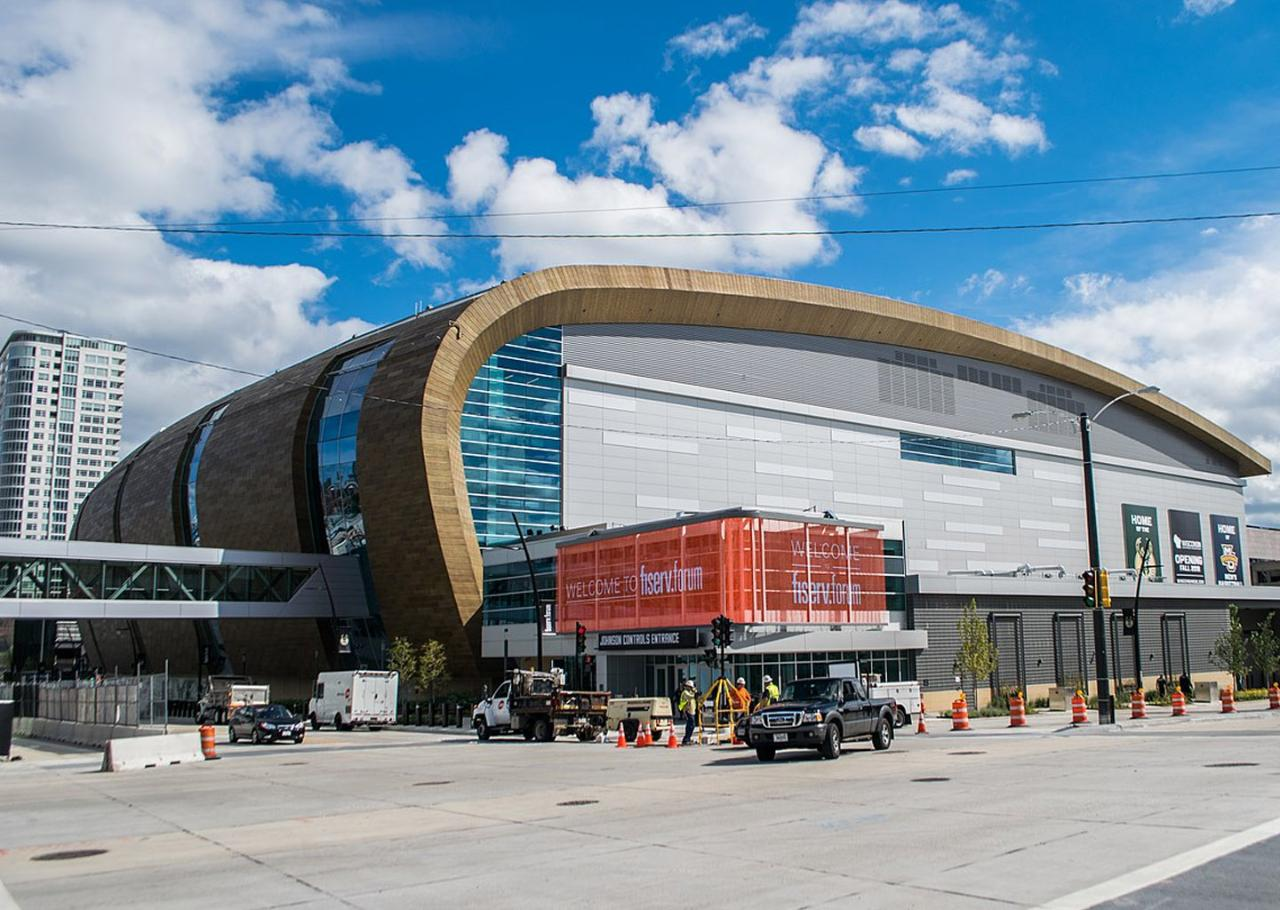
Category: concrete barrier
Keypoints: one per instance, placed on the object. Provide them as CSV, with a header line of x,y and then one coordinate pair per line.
x,y
151,751
65,731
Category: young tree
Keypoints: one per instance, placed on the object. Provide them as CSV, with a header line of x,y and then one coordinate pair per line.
x,y
977,657
1231,651
402,658
1264,649
432,666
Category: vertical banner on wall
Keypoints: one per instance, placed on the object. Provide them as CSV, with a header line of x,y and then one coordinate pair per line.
x,y
1228,560
1188,547
1140,523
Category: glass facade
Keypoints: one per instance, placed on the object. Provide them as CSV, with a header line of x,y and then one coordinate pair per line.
x,y
508,594
335,449
82,579
936,450
511,437
203,432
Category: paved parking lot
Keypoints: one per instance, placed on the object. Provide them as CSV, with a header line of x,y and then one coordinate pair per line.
x,y
408,819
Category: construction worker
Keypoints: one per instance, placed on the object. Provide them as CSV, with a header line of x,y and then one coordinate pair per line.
x,y
743,695
688,708
770,693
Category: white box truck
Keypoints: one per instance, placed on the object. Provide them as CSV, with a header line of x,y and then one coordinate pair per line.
x,y
346,698
906,694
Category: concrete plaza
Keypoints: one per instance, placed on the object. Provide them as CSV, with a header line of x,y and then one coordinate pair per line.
x,y
399,818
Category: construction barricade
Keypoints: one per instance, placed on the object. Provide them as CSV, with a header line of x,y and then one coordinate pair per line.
x,y
1138,705
959,714
1179,703
1079,709
1017,711
1273,698
1228,701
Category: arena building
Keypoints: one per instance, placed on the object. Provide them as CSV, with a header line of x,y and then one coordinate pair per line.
x,y
597,403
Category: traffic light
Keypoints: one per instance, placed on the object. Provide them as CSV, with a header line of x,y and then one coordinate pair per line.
x,y
1104,590
1090,588
726,630
588,667
721,632
716,641
580,639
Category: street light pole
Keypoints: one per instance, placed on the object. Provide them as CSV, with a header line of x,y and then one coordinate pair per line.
x,y
1106,708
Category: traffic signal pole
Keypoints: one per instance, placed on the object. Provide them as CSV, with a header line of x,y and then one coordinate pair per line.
x,y
1106,707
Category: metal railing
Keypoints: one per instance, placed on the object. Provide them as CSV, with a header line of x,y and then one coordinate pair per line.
x,y
122,701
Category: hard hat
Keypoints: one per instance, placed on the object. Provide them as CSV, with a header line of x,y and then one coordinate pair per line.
x,y
688,682
768,679
741,681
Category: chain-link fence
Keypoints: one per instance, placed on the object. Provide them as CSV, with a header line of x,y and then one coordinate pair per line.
x,y
122,701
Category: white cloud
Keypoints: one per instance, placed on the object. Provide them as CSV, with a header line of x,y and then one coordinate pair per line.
x,y
1205,7
889,140
906,59
1206,332
960,175
715,39
875,22
782,78
992,280
962,123
115,112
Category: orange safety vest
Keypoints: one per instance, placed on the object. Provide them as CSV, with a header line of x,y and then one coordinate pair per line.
x,y
744,697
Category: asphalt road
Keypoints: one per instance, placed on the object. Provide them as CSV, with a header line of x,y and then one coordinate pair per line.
x,y
1141,816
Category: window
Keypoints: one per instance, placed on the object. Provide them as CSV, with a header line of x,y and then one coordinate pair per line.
x,y
936,450
336,422
203,432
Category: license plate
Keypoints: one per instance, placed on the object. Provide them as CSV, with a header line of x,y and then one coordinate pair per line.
x,y
780,737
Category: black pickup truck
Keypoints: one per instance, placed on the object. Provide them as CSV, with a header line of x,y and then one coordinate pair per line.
x,y
821,714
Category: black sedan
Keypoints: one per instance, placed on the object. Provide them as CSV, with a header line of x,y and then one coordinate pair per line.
x,y
264,724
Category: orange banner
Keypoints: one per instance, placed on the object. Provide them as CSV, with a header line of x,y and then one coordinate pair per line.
x,y
753,570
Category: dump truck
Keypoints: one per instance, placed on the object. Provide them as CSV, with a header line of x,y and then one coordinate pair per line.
x,y
537,705
224,694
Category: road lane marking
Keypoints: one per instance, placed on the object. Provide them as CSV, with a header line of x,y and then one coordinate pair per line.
x,y
1164,869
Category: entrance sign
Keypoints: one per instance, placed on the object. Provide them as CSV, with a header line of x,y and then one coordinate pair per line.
x,y
1188,547
1140,523
751,569
1228,560
676,639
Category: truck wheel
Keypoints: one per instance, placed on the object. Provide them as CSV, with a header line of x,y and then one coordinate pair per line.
x,y
543,732
830,748
315,721
337,723
882,736
527,733
902,718
482,730
765,753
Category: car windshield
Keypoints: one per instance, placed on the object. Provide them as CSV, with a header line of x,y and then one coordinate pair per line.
x,y
808,689
274,712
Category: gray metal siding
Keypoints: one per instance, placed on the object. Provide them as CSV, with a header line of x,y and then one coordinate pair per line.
x,y
922,385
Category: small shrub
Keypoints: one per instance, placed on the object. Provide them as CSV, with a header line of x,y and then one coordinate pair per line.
x,y
1251,694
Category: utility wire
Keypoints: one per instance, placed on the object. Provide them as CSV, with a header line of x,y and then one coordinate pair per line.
x,y
658,235
820,197
888,442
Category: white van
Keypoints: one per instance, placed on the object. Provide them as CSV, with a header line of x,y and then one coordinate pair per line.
x,y
346,698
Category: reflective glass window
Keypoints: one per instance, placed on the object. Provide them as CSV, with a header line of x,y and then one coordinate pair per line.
x,y
936,450
203,432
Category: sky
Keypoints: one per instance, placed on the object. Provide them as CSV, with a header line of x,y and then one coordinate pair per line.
x,y
451,119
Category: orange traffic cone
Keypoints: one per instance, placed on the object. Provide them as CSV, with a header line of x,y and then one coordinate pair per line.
x,y
672,742
622,737
642,737
1017,711
920,727
1079,709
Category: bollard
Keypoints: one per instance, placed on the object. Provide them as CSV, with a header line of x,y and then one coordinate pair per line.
x,y
1228,701
1079,709
208,743
1138,705
1017,711
959,715
1179,703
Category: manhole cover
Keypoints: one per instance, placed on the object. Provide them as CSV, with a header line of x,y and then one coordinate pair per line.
x,y
928,780
578,802
432,783
66,854
1233,764
966,753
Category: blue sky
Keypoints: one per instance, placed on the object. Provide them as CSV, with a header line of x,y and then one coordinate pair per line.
x,y
245,110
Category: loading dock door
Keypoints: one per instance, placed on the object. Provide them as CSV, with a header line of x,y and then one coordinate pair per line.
x,y
1173,636
1011,669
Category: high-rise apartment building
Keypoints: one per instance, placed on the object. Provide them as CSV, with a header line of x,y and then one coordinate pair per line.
x,y
61,406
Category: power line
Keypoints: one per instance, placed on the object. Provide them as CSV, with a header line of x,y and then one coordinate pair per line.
x,y
636,235
888,442
818,197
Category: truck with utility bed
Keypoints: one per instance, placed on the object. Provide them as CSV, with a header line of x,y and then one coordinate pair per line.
x,y
822,714
538,706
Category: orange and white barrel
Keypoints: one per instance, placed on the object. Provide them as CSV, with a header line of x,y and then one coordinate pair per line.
x,y
1228,701
959,714
208,742
1138,705
1017,711
1079,709
1179,703
1273,697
